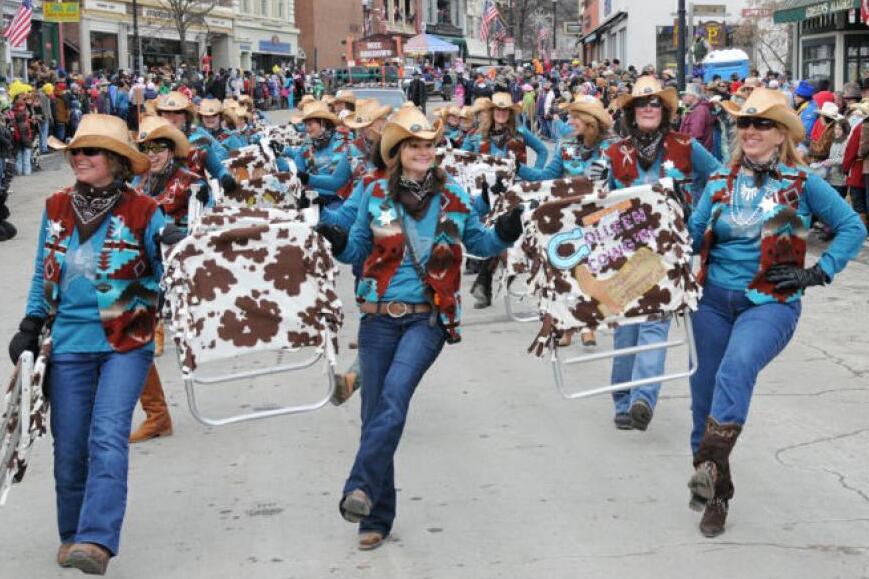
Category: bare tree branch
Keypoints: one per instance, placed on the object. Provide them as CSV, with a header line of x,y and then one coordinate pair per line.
x,y
185,14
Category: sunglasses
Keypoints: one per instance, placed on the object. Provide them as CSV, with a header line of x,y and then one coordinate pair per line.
x,y
652,102
153,147
86,151
756,122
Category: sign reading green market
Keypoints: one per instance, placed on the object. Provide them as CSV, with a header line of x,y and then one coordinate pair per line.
x,y
797,10
61,12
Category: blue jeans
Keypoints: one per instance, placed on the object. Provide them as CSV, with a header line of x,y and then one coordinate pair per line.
x,y
394,353
43,137
60,130
736,339
92,402
22,161
639,366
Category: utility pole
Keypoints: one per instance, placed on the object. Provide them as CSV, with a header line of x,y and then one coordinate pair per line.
x,y
554,29
511,58
137,54
680,47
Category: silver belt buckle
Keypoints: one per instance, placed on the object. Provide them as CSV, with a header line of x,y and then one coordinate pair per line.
x,y
403,313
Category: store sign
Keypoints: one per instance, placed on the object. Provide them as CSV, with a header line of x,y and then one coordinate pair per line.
x,y
61,12
156,14
218,22
813,10
104,6
275,46
375,50
709,10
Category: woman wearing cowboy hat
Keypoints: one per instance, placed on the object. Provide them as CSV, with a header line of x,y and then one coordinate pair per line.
x,y
236,127
95,284
210,115
366,122
410,231
322,162
500,135
750,228
206,154
651,151
451,116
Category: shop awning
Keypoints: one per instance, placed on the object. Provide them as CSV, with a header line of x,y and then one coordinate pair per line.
x,y
428,44
604,26
460,42
798,10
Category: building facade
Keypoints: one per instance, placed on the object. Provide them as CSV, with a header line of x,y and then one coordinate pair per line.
x,y
264,35
324,27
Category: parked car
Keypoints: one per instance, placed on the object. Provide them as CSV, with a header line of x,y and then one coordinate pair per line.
x,y
392,96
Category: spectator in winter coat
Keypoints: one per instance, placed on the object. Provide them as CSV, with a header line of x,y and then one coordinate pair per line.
x,y
46,96
697,120
22,125
805,107
416,90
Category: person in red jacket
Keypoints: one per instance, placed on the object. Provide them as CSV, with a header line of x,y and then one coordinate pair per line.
x,y
852,165
697,120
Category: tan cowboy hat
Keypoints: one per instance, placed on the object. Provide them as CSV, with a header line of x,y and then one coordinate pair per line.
x,y
591,106
501,100
466,113
481,104
769,104
408,123
154,128
328,99
245,99
209,107
367,111
319,111
174,101
830,111
345,96
105,132
647,86
303,106
308,98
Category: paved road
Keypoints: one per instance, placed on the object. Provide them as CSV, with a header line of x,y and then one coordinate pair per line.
x,y
499,476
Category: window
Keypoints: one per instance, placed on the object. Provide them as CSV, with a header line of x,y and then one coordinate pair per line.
x,y
856,57
245,6
818,58
281,9
264,7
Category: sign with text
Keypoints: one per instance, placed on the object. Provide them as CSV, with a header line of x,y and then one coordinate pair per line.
x,y
61,12
375,50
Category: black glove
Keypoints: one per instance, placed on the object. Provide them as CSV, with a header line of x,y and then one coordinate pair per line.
x,y
336,236
485,192
509,226
277,148
170,234
228,183
598,171
203,194
498,188
303,202
27,338
790,277
303,177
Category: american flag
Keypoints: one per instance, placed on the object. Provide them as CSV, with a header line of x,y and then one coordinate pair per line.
x,y
19,27
490,14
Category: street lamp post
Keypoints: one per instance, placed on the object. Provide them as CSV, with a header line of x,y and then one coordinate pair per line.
x,y
136,65
554,29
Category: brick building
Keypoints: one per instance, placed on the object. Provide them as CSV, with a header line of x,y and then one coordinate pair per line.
x,y
323,26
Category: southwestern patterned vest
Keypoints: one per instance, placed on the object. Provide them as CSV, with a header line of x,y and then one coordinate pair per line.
x,y
175,196
783,237
443,269
515,145
675,164
125,287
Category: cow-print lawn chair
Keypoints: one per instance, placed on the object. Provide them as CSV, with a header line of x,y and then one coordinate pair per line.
x,y
24,419
609,259
252,282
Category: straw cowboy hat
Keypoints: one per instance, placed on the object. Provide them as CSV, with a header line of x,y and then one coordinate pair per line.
x,y
481,104
647,86
830,111
769,104
319,110
308,98
105,132
327,99
406,124
209,107
367,111
467,113
155,128
345,96
501,100
174,101
245,99
591,106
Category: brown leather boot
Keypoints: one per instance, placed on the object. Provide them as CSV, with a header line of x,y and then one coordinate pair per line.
x,y
712,467
63,554
159,339
157,419
89,558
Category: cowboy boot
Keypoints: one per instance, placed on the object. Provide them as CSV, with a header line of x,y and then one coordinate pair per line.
x,y
159,338
712,482
482,288
157,419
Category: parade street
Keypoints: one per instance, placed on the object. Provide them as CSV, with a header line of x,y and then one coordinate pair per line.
x,y
499,476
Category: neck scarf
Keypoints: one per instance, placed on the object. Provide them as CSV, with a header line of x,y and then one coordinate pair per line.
x,y
647,145
761,170
415,196
323,140
156,182
92,204
499,137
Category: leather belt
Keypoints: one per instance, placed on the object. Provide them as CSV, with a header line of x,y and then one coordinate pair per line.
x,y
393,309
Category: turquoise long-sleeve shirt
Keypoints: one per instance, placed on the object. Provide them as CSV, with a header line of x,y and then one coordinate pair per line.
x,y
574,165
77,327
405,285
215,153
735,255
331,164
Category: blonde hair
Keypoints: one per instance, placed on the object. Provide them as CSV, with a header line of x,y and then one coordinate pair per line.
x,y
593,133
488,121
787,151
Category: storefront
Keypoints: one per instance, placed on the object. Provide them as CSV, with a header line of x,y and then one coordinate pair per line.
x,y
829,39
608,40
260,49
